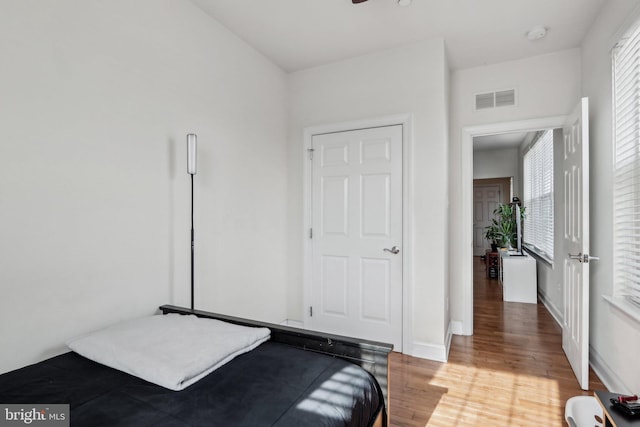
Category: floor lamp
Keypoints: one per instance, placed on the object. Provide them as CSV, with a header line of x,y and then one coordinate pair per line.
x,y
192,141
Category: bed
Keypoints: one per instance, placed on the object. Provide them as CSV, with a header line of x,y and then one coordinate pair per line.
x,y
296,378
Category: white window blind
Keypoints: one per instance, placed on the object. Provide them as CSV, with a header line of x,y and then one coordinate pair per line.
x,y
538,196
626,185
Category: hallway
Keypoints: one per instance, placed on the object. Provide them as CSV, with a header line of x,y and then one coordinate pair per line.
x,y
511,372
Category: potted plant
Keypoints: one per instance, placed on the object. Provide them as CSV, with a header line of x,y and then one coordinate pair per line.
x,y
502,230
493,236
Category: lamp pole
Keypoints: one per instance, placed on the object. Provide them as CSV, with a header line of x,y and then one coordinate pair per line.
x,y
192,244
191,170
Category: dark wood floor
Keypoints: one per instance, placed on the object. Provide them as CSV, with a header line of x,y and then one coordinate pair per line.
x,y
511,372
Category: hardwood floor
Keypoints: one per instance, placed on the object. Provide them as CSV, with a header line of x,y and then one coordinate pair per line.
x,y
511,372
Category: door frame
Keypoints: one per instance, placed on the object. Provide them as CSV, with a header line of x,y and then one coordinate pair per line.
x,y
465,325
405,120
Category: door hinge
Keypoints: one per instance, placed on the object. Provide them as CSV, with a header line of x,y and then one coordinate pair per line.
x,y
310,311
310,151
311,233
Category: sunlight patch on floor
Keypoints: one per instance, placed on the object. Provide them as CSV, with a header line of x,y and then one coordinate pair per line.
x,y
481,394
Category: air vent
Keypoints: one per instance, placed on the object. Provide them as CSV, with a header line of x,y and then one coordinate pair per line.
x,y
501,98
505,98
485,100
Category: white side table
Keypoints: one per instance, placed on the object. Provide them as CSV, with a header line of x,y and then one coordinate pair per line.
x,y
519,278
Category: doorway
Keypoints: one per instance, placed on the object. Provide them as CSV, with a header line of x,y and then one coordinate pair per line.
x,y
568,142
467,176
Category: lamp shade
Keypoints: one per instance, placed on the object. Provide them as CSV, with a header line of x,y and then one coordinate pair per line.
x,y
192,141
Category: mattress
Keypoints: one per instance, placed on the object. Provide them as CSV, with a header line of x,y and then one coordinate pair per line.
x,y
273,385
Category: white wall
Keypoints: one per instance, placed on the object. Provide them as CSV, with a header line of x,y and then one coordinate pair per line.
x,y
614,337
97,98
498,163
547,86
413,80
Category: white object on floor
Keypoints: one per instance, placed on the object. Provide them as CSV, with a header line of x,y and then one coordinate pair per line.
x,y
518,277
583,411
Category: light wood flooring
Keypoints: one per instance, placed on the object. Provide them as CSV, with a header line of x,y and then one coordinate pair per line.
x,y
511,372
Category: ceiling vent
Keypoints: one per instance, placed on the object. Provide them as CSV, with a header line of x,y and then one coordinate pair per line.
x,y
501,98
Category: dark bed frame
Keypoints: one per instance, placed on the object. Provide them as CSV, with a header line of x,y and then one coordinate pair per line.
x,y
370,355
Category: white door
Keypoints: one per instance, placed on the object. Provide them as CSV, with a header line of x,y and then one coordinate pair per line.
x,y
575,328
357,234
485,200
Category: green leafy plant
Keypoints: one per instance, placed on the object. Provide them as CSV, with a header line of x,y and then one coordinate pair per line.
x,y
502,230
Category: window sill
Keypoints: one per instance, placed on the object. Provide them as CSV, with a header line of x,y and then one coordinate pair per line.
x,y
624,306
538,256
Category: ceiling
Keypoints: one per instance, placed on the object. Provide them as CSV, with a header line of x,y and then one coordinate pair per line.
x,y
299,34
501,141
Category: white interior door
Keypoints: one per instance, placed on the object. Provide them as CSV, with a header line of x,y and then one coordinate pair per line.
x,y
357,234
575,328
485,200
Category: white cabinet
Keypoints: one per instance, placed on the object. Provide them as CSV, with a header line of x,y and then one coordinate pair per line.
x,y
518,277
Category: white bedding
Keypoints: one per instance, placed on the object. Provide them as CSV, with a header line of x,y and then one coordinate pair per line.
x,y
173,350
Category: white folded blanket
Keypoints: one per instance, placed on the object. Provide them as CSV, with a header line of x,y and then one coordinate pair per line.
x,y
173,350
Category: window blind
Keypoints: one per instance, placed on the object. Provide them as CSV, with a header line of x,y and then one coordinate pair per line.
x,y
626,183
538,196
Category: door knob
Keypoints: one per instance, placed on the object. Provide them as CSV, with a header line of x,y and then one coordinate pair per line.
x,y
394,250
584,257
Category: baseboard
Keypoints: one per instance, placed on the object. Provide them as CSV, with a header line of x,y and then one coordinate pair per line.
x,y
434,352
457,328
557,316
292,323
447,341
608,377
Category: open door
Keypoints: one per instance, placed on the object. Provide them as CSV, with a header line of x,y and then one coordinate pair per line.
x,y
575,327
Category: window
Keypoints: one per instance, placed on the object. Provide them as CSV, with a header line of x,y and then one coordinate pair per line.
x,y
626,180
538,196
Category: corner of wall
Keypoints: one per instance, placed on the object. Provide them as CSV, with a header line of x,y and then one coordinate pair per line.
x,y
606,374
457,327
435,352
